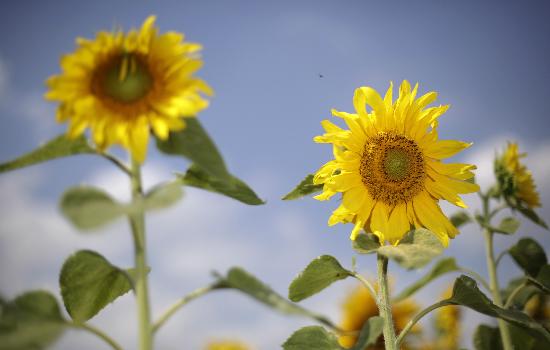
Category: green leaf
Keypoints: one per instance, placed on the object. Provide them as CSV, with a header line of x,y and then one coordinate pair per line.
x,y
487,338
88,207
543,279
460,218
89,282
319,274
532,215
366,243
508,226
370,332
230,187
194,144
312,338
529,255
304,188
32,321
443,266
59,147
163,195
523,296
417,249
466,293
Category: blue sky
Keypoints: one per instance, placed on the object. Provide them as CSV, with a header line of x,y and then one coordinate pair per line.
x,y
488,60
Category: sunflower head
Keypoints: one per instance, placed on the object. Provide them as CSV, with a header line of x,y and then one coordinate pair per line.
x,y
447,324
359,306
123,85
515,181
227,345
388,166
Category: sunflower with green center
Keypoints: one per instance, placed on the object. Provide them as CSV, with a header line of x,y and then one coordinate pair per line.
x,y
121,86
515,180
388,166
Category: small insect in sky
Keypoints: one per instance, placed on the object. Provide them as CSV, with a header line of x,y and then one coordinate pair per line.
x,y
321,75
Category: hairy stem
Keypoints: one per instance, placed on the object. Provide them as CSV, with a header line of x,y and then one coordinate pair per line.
x,y
366,283
137,222
384,305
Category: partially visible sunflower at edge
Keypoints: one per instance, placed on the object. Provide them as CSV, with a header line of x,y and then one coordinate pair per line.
x,y
227,345
359,306
388,166
515,180
123,85
447,326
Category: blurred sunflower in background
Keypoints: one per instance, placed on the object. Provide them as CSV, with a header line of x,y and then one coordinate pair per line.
x,y
388,166
515,180
447,326
359,306
227,345
122,85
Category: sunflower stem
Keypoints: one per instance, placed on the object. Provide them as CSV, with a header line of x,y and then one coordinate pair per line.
x,y
384,305
97,332
137,223
492,269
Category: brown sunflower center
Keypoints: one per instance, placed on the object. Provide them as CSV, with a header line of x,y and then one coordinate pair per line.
x,y
125,78
392,168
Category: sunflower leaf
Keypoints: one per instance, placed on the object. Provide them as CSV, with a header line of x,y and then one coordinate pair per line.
x,y
89,282
33,320
163,195
466,293
312,337
366,243
507,226
529,256
370,332
59,147
415,250
488,338
304,188
89,208
319,274
194,144
522,297
532,215
460,218
442,267
231,187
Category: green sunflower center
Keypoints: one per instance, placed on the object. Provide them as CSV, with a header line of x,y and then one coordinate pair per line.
x,y
126,78
392,168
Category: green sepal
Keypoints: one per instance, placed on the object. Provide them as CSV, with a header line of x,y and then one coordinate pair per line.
x,y
318,275
304,188
366,243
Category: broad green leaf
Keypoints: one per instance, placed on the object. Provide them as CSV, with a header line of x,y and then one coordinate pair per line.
x,y
194,144
163,195
417,249
460,218
466,293
59,147
89,282
487,338
532,215
32,321
88,207
543,279
239,279
319,274
371,331
366,243
304,188
230,186
508,226
312,338
442,267
522,297
529,255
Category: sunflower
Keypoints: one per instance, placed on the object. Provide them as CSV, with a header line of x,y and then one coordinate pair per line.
x,y
227,345
515,179
447,324
359,306
388,166
122,85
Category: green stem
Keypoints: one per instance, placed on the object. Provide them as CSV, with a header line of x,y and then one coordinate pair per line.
x,y
99,333
515,292
493,277
366,283
182,302
417,318
137,222
384,305
116,162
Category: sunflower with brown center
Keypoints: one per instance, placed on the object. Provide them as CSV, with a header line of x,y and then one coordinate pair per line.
x,y
122,86
388,166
